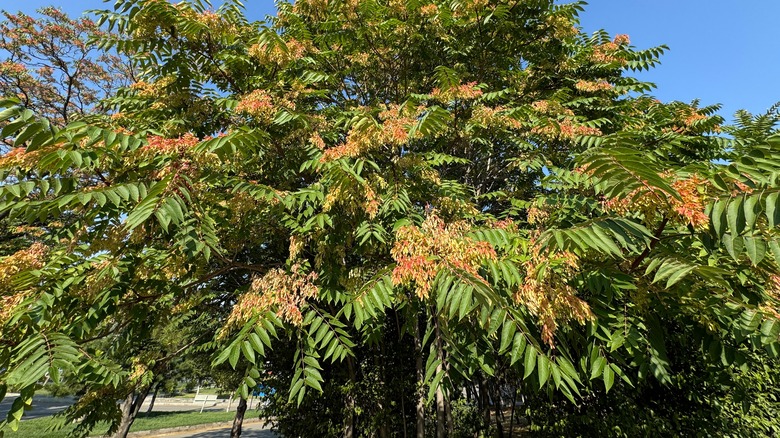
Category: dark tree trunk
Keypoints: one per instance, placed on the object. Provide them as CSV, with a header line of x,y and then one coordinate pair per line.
x,y
403,412
499,414
441,416
484,400
154,397
512,417
349,421
448,405
238,421
130,408
441,403
384,430
420,376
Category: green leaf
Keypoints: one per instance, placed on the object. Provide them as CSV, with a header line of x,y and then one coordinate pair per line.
x,y
530,362
718,217
772,210
734,245
518,348
435,384
296,387
257,344
235,352
775,246
249,352
609,377
543,365
736,216
752,209
597,367
507,334
755,248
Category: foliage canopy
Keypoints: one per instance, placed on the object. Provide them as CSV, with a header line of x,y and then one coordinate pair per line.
x,y
478,181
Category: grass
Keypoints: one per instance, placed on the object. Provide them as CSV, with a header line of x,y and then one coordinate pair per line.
x,y
39,427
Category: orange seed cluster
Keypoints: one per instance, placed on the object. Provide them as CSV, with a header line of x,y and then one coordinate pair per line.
x,y
421,252
546,293
22,260
284,292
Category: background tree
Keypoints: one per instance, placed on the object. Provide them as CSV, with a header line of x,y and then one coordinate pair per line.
x,y
51,62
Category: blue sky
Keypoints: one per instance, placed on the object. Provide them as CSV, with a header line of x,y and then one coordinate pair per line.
x,y
721,51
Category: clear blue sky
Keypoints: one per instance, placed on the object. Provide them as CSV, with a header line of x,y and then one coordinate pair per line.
x,y
722,51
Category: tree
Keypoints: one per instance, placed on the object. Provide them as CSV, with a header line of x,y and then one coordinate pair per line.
x,y
53,65
470,188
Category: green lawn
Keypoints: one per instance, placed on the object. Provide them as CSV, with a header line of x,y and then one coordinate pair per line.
x,y
39,427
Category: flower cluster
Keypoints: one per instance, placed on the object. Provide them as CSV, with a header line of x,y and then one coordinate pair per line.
x,y
157,145
209,19
642,201
468,91
689,209
359,139
562,26
18,157
316,140
607,53
621,40
688,120
397,124
279,291
12,69
421,252
279,54
564,129
542,106
537,215
33,257
546,293
368,134
429,10
258,104
494,117
592,86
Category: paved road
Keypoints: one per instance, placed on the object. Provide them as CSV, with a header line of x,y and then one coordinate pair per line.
x,y
43,406
254,430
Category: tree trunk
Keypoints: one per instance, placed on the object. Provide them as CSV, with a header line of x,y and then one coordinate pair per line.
x,y
349,421
441,407
512,417
420,382
384,430
403,412
441,416
130,408
448,402
238,421
484,400
230,402
154,397
499,414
